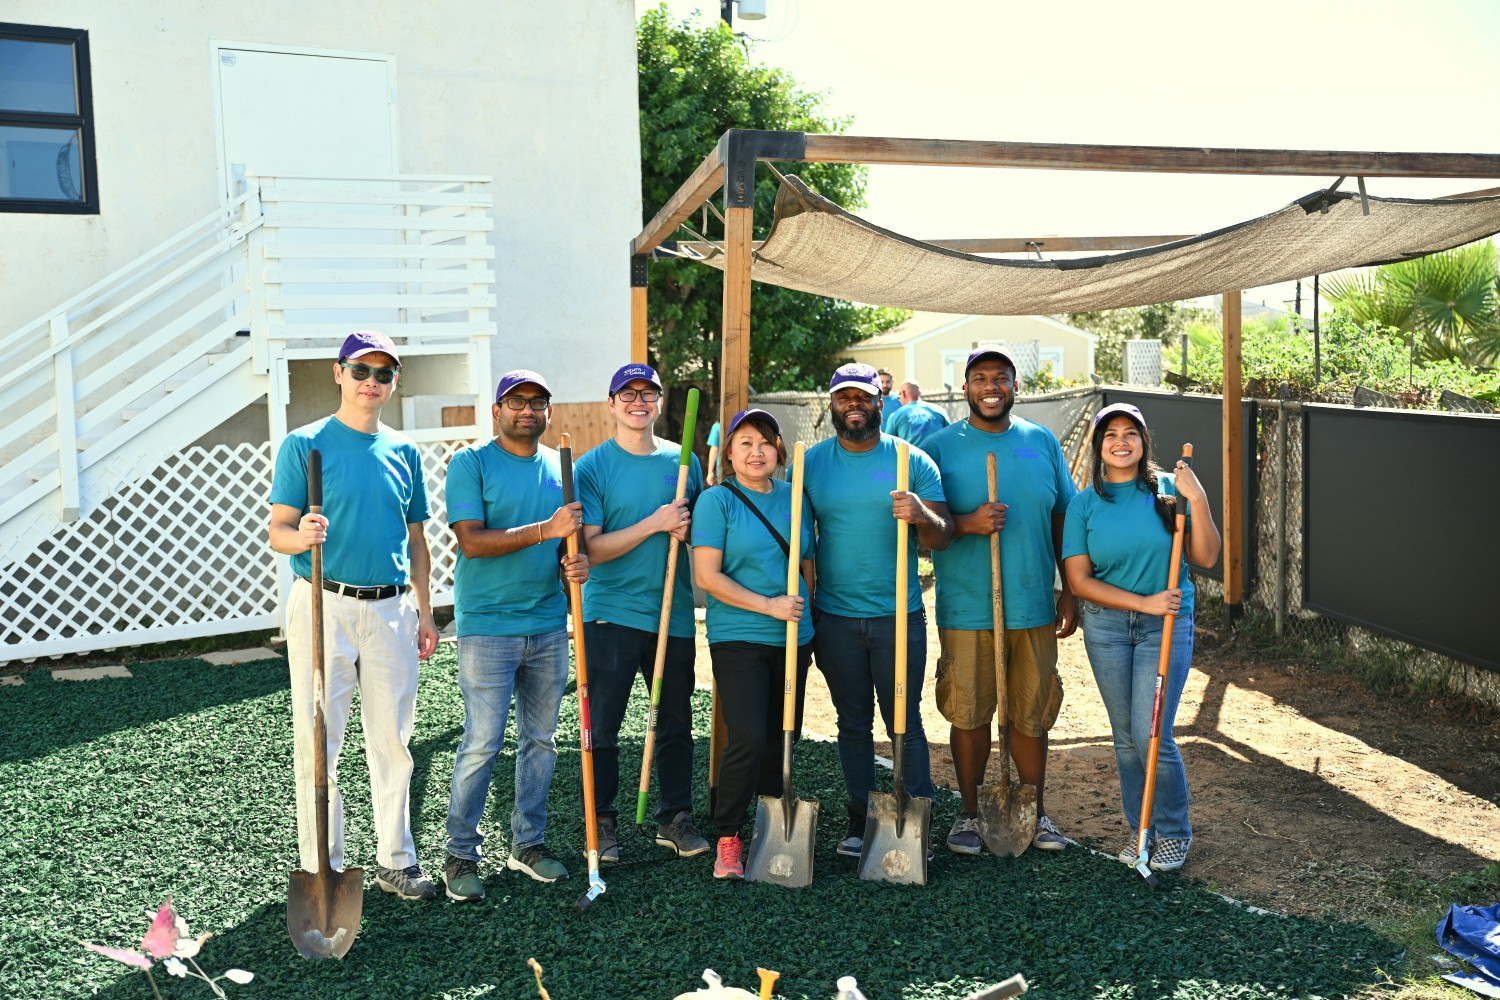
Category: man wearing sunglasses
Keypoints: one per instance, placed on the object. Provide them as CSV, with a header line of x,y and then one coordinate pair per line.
x,y
628,486
377,616
505,505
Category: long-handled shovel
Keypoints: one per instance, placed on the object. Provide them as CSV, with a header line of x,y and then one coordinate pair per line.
x,y
1007,812
786,826
897,827
322,907
663,627
1168,622
585,732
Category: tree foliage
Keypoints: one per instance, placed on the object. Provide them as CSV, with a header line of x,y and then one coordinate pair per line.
x,y
1164,321
696,83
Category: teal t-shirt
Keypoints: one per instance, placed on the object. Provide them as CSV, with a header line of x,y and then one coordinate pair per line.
x,y
617,489
713,435
917,422
888,407
1125,540
851,500
752,559
1032,479
520,593
373,487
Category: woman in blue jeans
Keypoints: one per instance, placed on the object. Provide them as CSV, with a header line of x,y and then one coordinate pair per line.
x,y
1117,550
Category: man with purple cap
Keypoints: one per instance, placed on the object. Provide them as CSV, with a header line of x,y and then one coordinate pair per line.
x,y
505,506
628,487
1034,487
377,614
850,481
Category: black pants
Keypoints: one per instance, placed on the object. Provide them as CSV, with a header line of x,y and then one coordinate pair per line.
x,y
617,656
750,677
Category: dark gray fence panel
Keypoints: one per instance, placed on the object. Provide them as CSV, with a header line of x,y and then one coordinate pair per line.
x,y
1400,528
1199,420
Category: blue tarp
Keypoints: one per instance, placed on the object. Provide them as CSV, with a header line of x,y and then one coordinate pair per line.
x,y
1472,933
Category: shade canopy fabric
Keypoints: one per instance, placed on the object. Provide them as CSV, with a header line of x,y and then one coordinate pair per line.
x,y
815,246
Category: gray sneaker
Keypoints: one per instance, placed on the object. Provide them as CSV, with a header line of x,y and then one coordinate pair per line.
x,y
408,883
1047,836
964,837
609,844
538,862
854,839
461,880
682,836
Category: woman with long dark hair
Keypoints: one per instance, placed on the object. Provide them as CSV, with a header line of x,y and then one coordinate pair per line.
x,y
1117,546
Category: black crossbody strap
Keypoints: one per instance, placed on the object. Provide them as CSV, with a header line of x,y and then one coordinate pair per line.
x,y
785,547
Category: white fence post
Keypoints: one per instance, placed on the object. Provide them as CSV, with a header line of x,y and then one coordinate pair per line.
x,y
66,396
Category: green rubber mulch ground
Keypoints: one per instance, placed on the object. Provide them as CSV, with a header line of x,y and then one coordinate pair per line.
x,y
118,791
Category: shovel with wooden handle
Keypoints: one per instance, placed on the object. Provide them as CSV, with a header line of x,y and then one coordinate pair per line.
x,y
786,827
897,826
1007,812
323,907
663,628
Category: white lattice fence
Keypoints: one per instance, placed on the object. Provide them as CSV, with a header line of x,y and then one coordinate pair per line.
x,y
178,554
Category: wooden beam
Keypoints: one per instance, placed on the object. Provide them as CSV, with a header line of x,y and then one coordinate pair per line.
x,y
693,192
638,325
1484,193
1005,244
1148,159
734,365
1234,480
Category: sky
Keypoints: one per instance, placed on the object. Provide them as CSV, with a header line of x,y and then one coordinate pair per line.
x,y
1316,74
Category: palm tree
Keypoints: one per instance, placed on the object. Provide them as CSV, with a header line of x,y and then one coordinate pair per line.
x,y
1449,302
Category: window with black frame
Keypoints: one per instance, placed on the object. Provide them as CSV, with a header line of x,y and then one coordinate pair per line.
x,y
46,121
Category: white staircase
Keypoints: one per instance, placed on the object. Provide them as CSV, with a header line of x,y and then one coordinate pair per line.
x,y
103,398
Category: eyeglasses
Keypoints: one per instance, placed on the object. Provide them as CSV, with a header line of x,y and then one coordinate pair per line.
x,y
537,403
644,395
383,376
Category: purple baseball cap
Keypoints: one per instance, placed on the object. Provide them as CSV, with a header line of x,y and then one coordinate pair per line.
x,y
987,351
520,376
855,375
362,342
756,413
1115,410
629,373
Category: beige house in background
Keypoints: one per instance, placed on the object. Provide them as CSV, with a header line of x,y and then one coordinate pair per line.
x,y
930,348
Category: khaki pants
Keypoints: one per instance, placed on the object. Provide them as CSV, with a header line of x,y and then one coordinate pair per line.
x,y
372,646
966,693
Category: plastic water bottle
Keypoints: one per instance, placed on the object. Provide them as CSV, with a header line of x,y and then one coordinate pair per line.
x,y
849,989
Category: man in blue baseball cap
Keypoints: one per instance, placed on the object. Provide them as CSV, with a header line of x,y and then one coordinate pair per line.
x,y
505,506
378,614
628,487
850,480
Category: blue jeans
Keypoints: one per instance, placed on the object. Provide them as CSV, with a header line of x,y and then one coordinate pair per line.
x,y
491,669
617,655
858,659
1123,648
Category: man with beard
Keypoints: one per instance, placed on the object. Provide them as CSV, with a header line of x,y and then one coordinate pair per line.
x,y
850,483
1034,488
505,506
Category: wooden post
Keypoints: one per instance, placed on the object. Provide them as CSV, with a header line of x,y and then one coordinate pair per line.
x,y
734,364
1234,515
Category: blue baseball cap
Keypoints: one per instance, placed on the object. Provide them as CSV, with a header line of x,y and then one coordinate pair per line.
x,y
987,351
755,413
520,376
630,373
1117,409
362,342
855,375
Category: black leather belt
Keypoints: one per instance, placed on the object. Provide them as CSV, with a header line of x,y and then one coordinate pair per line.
x,y
362,593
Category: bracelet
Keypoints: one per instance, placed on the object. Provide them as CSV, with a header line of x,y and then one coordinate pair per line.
x,y
539,538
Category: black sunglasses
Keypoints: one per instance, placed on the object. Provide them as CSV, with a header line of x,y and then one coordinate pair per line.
x,y
384,376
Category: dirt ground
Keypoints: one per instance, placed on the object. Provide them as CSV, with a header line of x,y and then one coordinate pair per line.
x,y
1310,794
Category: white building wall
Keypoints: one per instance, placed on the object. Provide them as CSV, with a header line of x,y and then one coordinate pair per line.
x,y
540,96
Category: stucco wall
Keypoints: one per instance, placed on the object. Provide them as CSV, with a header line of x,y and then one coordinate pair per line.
x,y
540,96
962,334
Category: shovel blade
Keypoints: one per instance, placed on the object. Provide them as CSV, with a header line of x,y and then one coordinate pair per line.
x,y
1007,818
323,911
777,855
896,837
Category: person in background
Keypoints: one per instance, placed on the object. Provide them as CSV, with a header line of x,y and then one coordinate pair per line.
x,y
889,404
1117,551
917,420
711,472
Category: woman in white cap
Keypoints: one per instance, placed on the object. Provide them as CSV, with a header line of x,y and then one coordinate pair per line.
x,y
741,544
1117,544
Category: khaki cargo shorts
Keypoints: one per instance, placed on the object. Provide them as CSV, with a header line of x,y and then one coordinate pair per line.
x,y
966,678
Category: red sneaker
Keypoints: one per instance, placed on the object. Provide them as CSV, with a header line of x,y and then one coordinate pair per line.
x,y
728,863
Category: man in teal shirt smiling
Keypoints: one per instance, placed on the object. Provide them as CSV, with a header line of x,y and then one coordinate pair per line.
x,y
851,485
506,508
1034,487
